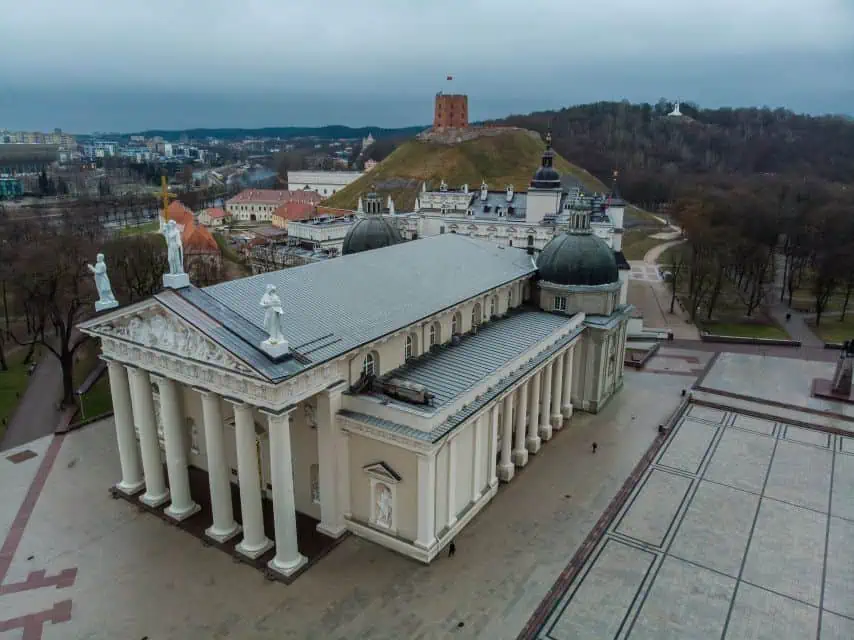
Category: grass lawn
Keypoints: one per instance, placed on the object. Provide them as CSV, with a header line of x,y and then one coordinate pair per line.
x,y
98,399
673,254
12,385
148,227
832,330
636,242
746,329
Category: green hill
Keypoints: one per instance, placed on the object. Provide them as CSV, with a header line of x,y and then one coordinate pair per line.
x,y
510,157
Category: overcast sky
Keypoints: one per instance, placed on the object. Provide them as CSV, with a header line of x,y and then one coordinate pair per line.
x,y
124,65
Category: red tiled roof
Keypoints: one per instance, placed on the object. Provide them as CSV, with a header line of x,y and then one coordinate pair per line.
x,y
274,196
179,213
329,211
197,239
295,211
216,212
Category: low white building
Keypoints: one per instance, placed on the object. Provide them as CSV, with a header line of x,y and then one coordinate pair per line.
x,y
258,205
414,378
321,233
326,183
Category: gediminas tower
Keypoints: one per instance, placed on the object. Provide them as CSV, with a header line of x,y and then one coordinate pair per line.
x,y
451,111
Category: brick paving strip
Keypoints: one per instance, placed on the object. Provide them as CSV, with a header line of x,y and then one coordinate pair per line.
x,y
32,623
538,619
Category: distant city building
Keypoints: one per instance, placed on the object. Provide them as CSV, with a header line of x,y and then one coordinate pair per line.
x,y
292,211
213,217
676,112
370,164
258,205
10,188
29,157
368,141
451,111
326,183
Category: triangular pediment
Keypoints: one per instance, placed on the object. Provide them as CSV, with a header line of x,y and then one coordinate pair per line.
x,y
153,326
382,471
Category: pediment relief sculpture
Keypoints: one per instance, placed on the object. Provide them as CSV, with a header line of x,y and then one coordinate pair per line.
x,y
160,331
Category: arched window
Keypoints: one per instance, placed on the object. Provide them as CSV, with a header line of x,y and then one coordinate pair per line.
x,y
492,307
476,315
455,324
407,350
369,365
433,339
510,298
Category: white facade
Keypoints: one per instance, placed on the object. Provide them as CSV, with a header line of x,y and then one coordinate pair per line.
x,y
406,476
323,234
326,183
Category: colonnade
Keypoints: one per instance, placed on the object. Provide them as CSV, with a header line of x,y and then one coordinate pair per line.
x,y
537,408
142,466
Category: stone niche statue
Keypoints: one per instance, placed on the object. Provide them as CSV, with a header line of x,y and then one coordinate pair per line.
x,y
275,344
383,506
106,299
176,278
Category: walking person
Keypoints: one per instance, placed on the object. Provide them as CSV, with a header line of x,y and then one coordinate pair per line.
x,y
452,549
595,446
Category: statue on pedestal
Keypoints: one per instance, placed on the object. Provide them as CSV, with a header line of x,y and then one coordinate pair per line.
x,y
175,249
275,344
106,299
176,278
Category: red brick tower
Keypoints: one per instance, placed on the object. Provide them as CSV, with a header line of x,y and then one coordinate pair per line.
x,y
451,111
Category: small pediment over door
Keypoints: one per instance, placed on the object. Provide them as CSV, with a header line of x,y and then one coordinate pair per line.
x,y
382,471
153,326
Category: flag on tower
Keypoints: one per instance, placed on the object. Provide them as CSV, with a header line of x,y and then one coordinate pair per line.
x,y
450,77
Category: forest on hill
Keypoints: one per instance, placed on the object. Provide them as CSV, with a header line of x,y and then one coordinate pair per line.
x,y
657,155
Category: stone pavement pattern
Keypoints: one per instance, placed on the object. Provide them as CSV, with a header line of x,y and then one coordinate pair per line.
x,y
137,576
741,528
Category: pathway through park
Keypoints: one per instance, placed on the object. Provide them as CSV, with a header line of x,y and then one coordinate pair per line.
x,y
36,415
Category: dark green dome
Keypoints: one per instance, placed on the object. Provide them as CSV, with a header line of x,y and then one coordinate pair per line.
x,y
577,258
370,232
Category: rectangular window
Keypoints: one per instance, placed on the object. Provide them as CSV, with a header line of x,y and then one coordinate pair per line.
x,y
560,303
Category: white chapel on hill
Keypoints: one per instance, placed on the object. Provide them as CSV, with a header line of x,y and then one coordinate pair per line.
x,y
386,393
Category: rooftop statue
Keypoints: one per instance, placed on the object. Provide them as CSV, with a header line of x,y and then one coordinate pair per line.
x,y
106,299
275,344
175,249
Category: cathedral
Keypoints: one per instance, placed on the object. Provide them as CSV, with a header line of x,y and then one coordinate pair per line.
x,y
386,393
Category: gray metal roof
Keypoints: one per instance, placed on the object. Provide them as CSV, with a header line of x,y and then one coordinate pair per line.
x,y
454,369
464,414
335,306
497,200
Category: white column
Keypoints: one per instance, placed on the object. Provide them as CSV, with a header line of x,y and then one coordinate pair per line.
x,y
533,442
131,481
505,467
426,500
493,446
288,559
557,392
328,441
477,465
452,481
546,403
344,473
224,527
566,409
182,506
254,542
142,401
520,453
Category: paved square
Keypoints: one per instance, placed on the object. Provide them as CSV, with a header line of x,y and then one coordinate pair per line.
x,y
730,538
